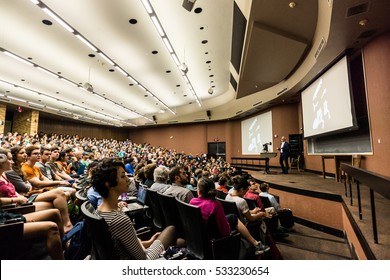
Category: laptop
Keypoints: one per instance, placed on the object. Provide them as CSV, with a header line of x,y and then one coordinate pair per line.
x,y
139,204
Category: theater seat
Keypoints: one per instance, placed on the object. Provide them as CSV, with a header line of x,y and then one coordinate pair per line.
x,y
197,237
170,212
102,244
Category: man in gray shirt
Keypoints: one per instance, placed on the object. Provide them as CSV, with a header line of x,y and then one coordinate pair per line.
x,y
178,179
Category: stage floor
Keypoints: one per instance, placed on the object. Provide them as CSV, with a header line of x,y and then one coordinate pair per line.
x,y
315,182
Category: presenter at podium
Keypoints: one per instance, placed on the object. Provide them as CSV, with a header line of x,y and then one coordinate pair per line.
x,y
284,154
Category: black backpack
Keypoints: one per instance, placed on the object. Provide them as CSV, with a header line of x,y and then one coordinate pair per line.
x,y
77,242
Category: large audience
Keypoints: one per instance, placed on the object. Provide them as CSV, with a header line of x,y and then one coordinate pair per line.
x,y
52,165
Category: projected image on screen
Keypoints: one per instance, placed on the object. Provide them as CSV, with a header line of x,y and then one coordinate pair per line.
x,y
326,104
255,132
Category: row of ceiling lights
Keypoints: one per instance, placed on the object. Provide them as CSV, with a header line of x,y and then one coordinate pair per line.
x,y
106,58
181,66
41,106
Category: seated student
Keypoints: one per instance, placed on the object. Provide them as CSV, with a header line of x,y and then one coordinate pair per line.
x,y
222,181
46,200
43,224
254,192
211,208
240,188
160,174
33,173
272,224
130,166
285,214
179,179
149,170
110,181
57,165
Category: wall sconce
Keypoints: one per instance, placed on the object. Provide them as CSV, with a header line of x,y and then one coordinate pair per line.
x,y
275,136
1,122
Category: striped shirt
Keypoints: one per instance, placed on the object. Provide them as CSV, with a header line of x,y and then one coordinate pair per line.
x,y
126,242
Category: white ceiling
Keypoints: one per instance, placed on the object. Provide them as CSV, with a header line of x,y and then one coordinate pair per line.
x,y
277,55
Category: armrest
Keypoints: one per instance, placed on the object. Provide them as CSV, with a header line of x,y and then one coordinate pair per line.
x,y
144,233
21,209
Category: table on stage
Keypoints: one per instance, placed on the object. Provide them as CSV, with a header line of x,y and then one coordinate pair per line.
x,y
337,160
266,156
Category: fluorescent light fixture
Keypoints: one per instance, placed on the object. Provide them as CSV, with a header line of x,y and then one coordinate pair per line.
x,y
112,102
5,83
106,58
16,99
168,44
85,41
174,56
121,70
158,26
36,2
51,108
47,72
69,82
18,58
101,97
147,6
35,104
59,20
65,112
141,87
132,79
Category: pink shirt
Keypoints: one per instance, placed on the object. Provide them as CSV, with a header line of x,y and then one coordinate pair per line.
x,y
214,208
7,189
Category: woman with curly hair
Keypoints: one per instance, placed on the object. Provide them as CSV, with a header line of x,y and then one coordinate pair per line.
x,y
110,181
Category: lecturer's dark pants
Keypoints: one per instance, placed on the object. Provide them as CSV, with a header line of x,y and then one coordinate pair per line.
x,y
283,160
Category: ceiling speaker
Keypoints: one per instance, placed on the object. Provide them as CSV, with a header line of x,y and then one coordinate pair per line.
x,y
188,4
208,112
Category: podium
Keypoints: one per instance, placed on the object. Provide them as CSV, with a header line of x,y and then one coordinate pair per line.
x,y
266,156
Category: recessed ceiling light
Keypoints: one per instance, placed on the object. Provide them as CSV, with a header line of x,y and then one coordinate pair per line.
x,y
47,22
133,21
292,4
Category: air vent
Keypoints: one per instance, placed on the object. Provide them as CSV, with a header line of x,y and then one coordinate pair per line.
x,y
5,99
356,10
173,122
239,112
199,120
320,48
258,103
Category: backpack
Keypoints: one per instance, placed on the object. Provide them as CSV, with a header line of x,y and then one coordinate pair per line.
x,y
78,241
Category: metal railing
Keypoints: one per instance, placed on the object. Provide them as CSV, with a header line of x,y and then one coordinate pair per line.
x,y
375,182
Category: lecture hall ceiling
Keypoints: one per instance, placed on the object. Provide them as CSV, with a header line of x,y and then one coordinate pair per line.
x,y
129,73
